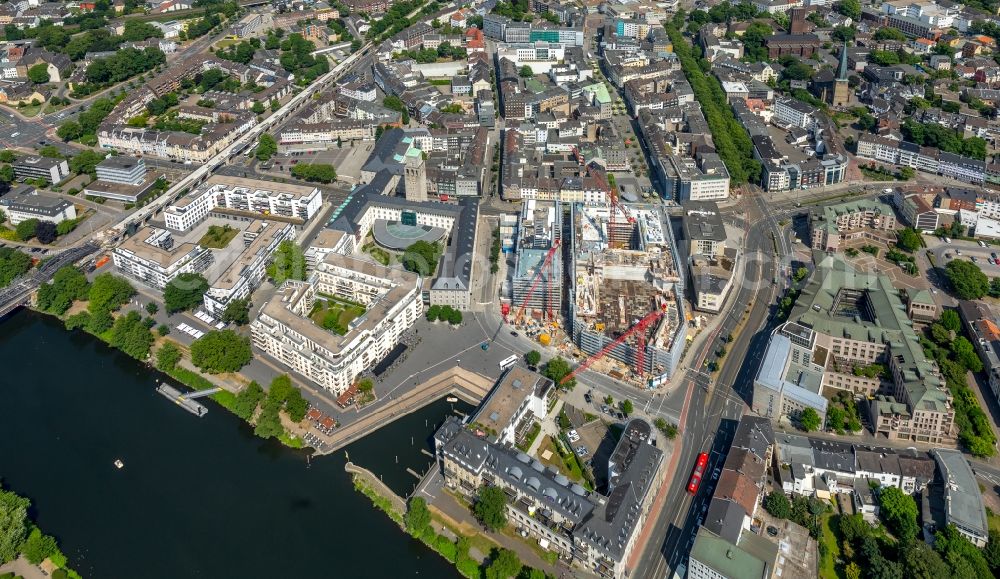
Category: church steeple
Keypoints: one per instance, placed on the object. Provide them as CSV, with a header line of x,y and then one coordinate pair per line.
x,y
842,69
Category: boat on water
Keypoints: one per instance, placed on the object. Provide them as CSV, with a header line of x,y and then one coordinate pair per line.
x,y
451,399
119,464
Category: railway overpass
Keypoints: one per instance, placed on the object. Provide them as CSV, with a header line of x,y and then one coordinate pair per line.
x,y
132,222
18,293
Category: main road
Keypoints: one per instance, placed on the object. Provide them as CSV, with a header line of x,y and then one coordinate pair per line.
x,y
715,406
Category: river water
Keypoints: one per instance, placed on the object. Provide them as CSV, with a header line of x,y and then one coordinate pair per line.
x,y
198,497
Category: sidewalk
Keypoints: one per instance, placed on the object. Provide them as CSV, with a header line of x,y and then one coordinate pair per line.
x,y
22,567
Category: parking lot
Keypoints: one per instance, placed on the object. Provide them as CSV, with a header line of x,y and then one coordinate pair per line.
x,y
964,249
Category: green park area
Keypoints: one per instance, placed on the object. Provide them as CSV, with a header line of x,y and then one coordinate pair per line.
x,y
218,237
335,314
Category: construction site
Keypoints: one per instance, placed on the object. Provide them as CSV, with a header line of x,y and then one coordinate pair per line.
x,y
536,282
626,308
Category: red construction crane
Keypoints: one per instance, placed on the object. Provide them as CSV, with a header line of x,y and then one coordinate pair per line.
x,y
538,278
641,325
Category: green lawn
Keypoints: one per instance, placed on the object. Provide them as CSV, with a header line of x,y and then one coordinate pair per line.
x,y
335,315
218,237
828,564
569,467
994,520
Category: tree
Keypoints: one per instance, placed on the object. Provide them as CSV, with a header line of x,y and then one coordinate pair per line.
x,y
39,546
627,407
668,430
421,258
237,312
843,34
951,320
809,420
25,230
130,335
852,571
167,356
968,281
317,172
777,504
556,370
899,511
526,72
533,357
184,292
221,351
39,74
152,308
504,565
850,8
247,400
966,355
296,406
922,562
13,524
418,517
966,560
69,131
289,263
908,239
853,528
45,232
889,33
269,421
491,508
992,550
13,263
108,293
266,146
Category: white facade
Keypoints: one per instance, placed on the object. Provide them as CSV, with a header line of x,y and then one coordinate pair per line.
x,y
794,112
245,274
246,195
284,332
150,256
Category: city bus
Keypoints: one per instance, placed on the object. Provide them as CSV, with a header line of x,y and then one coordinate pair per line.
x,y
507,362
699,471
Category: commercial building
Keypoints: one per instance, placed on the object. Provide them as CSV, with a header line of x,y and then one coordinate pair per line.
x,y
964,506
284,331
372,203
49,169
863,219
25,203
981,325
845,320
593,531
122,169
626,268
712,264
241,197
519,400
539,230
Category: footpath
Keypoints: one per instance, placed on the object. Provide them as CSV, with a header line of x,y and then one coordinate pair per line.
x,y
466,385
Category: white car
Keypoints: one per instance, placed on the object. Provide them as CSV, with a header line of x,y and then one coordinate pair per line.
x,y
573,435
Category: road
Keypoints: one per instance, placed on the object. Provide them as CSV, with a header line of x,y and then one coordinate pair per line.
x,y
714,408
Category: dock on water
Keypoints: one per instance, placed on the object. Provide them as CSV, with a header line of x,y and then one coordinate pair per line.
x,y
186,400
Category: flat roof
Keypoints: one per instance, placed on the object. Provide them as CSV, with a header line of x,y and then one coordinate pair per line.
x,y
963,501
506,397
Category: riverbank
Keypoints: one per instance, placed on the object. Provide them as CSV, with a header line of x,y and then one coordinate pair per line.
x,y
24,549
197,497
473,554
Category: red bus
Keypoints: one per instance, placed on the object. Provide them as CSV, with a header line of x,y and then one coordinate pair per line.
x,y
699,471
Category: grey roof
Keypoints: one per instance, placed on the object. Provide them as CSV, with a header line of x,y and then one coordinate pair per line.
x,y
755,435
456,267
725,519
32,202
877,460
963,501
835,456
793,448
703,221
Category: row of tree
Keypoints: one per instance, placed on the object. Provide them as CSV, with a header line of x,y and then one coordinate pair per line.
x,y
13,263
730,138
18,536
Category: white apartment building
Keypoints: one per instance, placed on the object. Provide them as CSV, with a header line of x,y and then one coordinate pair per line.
x,y
243,196
283,330
246,273
25,203
794,112
151,257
